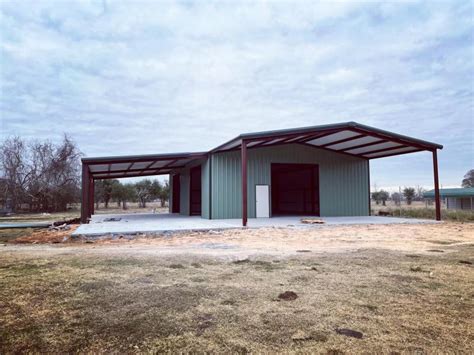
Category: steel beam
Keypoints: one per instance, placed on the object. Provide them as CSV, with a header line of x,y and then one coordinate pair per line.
x,y
436,185
364,145
136,171
390,138
343,140
141,159
150,173
368,180
85,193
243,152
382,149
91,197
332,150
392,154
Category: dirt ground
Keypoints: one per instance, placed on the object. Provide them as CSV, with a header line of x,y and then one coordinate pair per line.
x,y
327,289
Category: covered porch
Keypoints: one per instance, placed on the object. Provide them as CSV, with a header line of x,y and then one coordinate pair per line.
x,y
348,139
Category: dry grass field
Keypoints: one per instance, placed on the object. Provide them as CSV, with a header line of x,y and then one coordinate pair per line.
x,y
75,212
395,289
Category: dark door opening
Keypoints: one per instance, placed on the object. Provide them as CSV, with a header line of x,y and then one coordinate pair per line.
x,y
195,192
295,189
176,194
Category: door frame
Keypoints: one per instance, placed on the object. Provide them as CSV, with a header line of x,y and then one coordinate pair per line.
x,y
190,191
315,205
176,207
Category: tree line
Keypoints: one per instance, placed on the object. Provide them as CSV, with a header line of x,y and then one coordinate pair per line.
x,y
409,194
143,191
46,177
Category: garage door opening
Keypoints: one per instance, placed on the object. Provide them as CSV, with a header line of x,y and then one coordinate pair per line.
x,y
195,192
295,189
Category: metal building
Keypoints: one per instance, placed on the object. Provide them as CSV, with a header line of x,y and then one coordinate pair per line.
x,y
318,170
455,198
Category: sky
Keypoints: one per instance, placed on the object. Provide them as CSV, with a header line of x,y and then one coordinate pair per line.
x,y
137,77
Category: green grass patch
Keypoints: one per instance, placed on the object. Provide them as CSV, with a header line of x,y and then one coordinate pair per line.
x,y
7,235
430,213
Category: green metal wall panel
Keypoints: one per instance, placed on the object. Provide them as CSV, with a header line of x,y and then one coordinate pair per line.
x,y
205,175
184,180
343,179
226,185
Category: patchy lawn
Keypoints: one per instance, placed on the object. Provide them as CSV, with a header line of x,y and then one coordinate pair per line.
x,y
130,296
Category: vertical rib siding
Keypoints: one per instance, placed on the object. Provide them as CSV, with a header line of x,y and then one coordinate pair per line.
x,y
205,189
343,180
226,185
184,192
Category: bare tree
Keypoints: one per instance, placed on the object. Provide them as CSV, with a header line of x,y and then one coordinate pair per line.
x,y
144,192
40,174
14,170
419,193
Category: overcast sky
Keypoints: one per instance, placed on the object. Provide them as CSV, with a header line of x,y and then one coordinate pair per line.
x,y
133,77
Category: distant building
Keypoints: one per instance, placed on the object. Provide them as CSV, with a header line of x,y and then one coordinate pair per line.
x,y
455,199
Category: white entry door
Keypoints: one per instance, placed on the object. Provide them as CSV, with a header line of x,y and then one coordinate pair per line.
x,y
263,201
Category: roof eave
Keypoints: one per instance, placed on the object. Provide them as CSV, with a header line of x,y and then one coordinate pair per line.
x,y
146,157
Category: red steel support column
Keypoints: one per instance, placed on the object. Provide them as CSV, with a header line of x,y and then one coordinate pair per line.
x,y
91,197
436,185
368,180
243,151
85,193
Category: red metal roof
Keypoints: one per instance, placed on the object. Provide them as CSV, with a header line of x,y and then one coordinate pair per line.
x,y
138,165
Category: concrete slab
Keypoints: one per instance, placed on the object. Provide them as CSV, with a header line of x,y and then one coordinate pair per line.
x,y
167,222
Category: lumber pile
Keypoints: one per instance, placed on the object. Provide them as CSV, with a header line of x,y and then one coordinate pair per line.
x,y
312,221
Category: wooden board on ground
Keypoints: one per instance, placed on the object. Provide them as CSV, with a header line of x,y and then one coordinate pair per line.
x,y
312,221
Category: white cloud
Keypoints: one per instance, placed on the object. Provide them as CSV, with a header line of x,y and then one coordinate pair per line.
x,y
128,77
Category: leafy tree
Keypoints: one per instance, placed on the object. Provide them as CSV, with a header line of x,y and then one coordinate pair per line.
x,y
468,180
397,198
164,194
117,194
383,196
126,193
155,189
409,193
376,197
105,190
380,196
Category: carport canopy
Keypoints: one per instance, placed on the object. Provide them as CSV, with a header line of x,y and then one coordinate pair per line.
x,y
138,165
350,138
126,167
